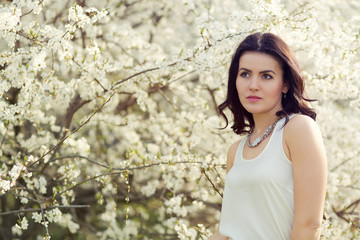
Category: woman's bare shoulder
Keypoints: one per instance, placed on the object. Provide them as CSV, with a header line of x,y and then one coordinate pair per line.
x,y
233,147
300,125
231,154
302,135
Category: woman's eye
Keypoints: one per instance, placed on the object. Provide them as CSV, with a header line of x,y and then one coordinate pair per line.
x,y
244,74
267,76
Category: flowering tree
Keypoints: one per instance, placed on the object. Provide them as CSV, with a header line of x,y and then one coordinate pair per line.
x,y
109,126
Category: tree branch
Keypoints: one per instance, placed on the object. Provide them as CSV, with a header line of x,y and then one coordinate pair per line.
x,y
121,170
342,213
72,132
340,164
80,156
38,209
134,75
211,91
213,185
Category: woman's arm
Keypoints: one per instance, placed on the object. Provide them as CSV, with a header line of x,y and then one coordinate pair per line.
x,y
304,141
218,236
229,163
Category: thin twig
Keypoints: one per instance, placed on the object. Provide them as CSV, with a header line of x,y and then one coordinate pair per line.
x,y
219,176
168,100
178,78
96,80
80,156
74,131
341,214
134,75
211,92
340,164
29,198
38,210
213,185
40,2
68,30
121,170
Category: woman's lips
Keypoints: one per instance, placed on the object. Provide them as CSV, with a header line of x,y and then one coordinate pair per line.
x,y
253,98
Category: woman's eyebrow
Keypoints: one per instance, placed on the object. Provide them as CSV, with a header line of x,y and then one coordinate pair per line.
x,y
265,71
245,69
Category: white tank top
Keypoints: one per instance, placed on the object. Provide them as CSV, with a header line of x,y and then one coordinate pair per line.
x,y
258,200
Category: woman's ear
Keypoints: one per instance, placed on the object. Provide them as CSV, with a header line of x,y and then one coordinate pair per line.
x,y
285,87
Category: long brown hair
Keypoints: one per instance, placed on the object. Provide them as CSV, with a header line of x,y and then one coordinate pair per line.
x,y
295,101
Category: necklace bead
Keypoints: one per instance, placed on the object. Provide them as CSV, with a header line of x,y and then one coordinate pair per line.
x,y
258,140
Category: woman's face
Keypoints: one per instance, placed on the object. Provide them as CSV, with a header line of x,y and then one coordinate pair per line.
x,y
260,83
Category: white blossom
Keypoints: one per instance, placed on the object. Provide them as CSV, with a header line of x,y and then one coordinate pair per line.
x,y
9,18
66,220
174,206
150,188
39,61
16,171
37,217
24,223
54,215
5,185
16,230
24,200
76,14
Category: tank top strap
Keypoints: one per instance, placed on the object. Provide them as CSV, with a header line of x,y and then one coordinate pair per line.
x,y
276,143
280,124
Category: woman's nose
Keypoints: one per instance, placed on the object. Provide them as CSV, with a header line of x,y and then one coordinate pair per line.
x,y
254,82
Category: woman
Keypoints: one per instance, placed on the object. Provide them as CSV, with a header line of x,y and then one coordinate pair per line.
x,y
276,176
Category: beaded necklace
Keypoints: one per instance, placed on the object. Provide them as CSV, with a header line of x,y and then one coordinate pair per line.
x,y
258,140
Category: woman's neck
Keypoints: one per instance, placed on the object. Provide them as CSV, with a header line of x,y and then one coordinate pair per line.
x,y
262,122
